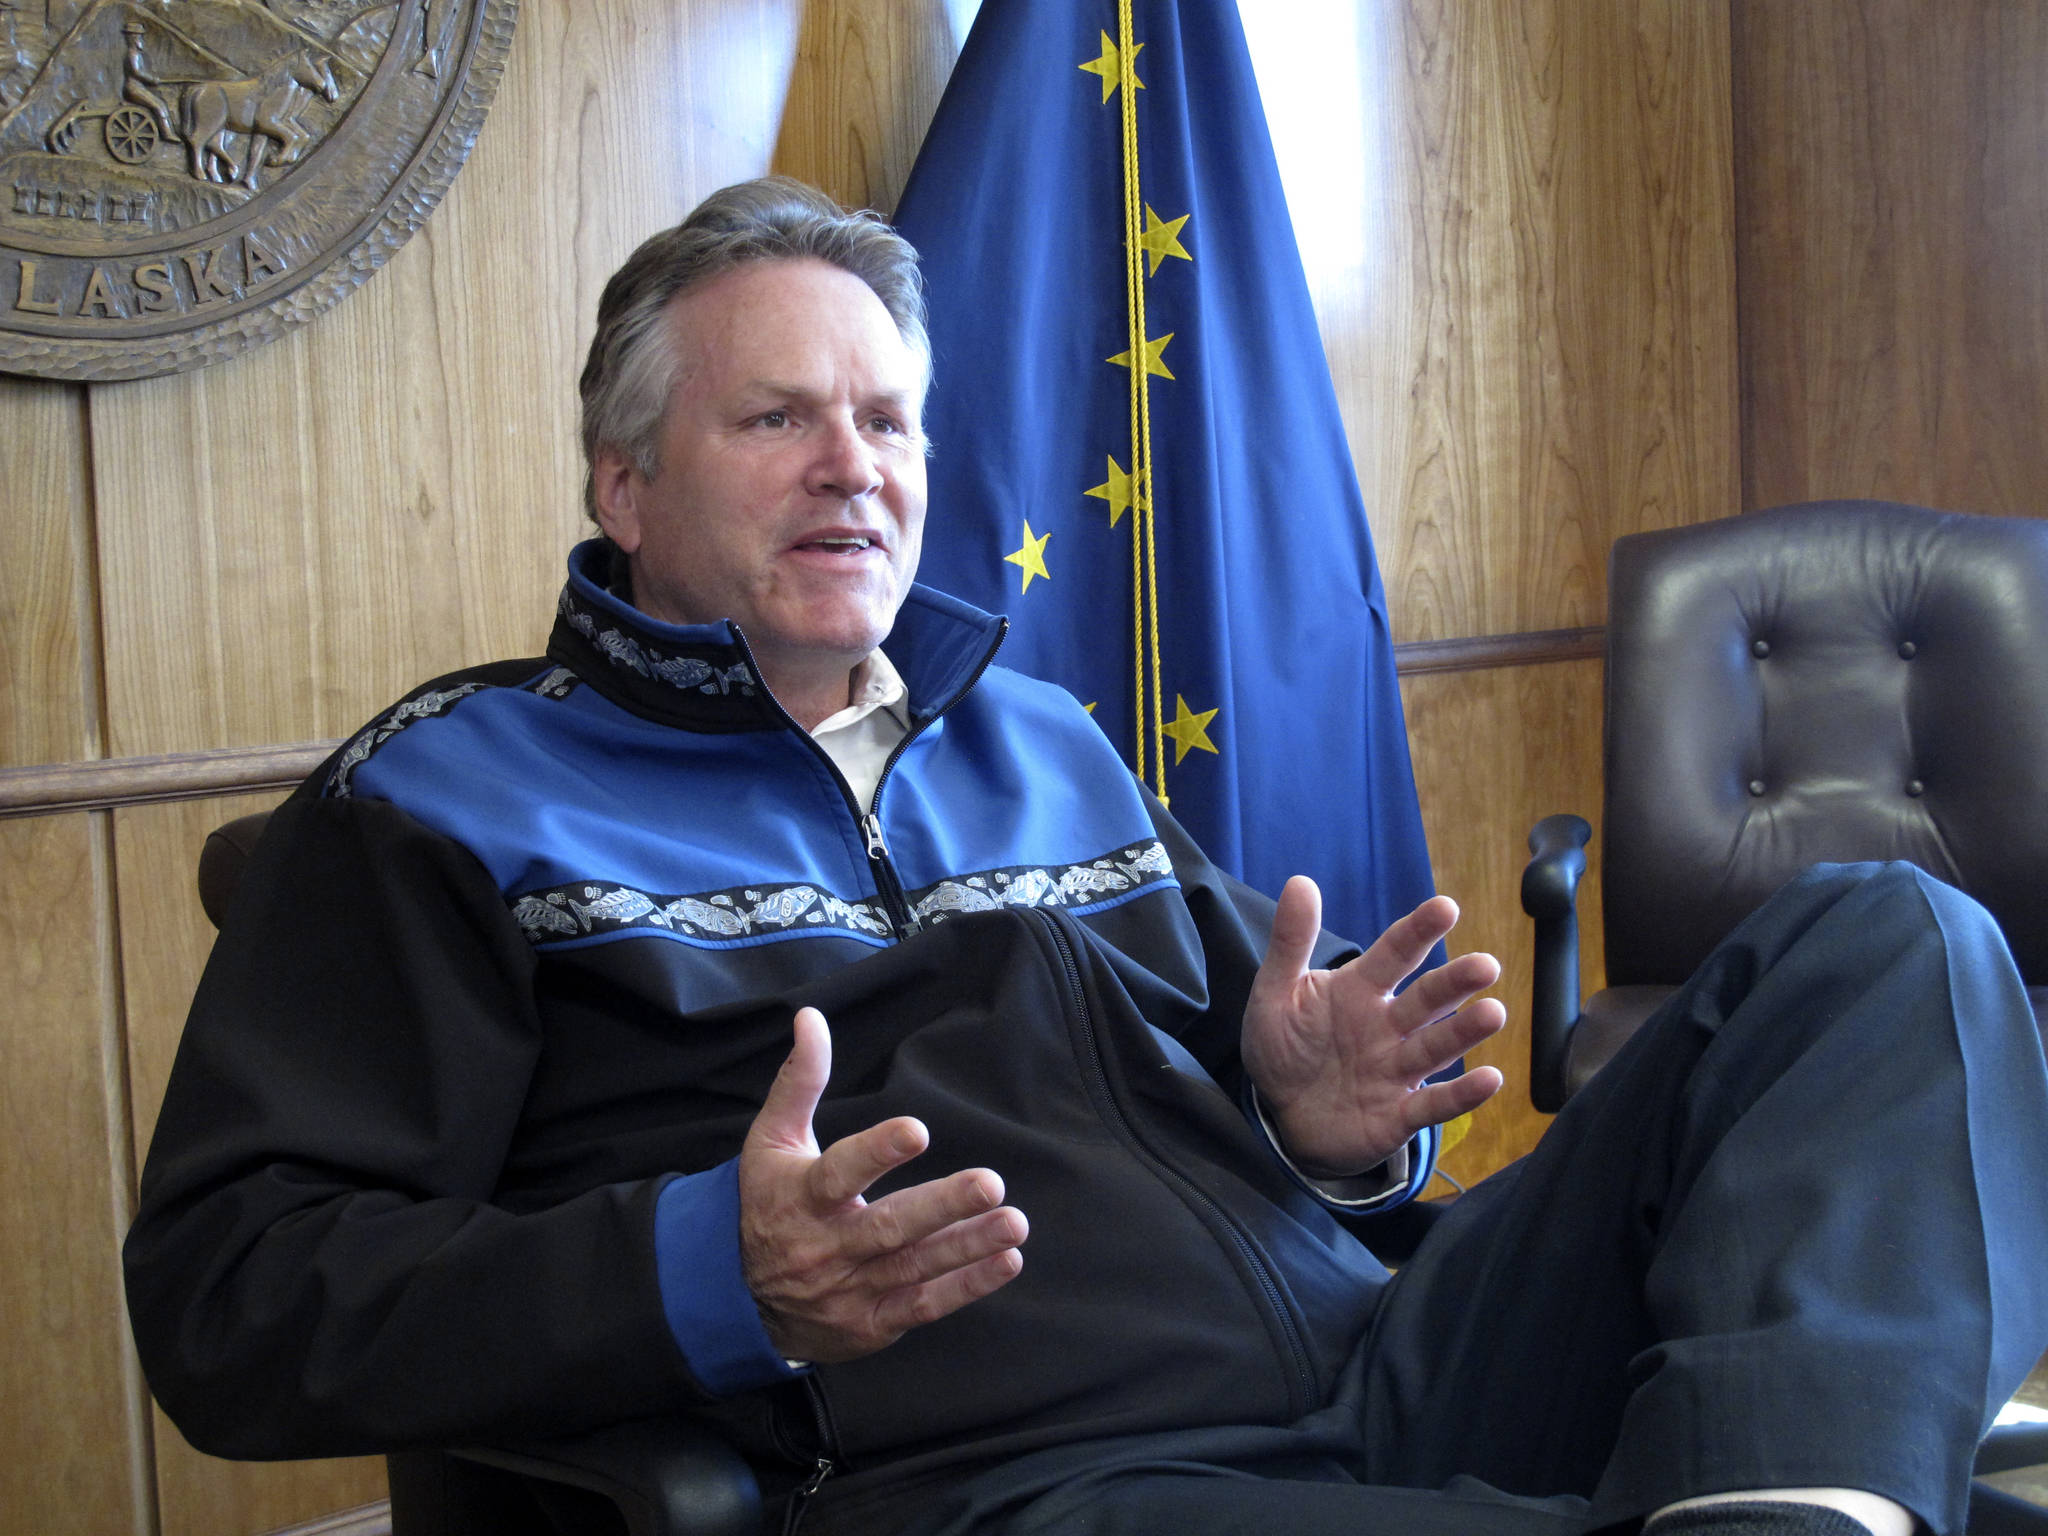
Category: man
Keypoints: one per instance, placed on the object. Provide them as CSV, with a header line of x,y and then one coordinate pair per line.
x,y
662,1027
140,84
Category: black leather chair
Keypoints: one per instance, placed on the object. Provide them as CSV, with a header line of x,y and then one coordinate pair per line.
x,y
1839,681
666,1477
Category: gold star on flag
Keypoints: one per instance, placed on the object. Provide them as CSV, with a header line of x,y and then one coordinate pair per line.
x,y
1119,490
1031,558
1161,238
1111,66
1152,363
1188,729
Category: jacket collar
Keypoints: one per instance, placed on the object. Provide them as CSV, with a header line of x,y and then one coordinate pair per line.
x,y
702,677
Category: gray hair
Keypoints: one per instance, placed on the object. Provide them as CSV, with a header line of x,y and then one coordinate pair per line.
x,y
631,370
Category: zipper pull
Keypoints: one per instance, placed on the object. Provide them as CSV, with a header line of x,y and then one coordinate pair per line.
x,y
885,877
799,1501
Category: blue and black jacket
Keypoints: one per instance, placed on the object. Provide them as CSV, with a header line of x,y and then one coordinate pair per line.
x,y
447,1152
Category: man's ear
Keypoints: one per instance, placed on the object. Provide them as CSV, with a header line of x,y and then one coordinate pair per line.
x,y
616,486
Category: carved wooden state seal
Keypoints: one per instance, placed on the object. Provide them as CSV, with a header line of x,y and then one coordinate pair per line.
x,y
182,180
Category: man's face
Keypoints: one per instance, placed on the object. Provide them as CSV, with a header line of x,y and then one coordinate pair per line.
x,y
791,492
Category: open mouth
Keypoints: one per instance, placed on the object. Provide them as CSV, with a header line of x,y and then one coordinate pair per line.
x,y
838,546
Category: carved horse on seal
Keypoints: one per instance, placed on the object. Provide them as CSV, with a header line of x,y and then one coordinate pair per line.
x,y
266,107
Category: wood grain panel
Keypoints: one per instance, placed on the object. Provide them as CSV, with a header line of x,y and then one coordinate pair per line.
x,y
1495,751
44,564
165,938
300,534
1891,214
70,1419
867,80
1525,277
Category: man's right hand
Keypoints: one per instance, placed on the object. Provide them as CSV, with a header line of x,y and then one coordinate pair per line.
x,y
835,1276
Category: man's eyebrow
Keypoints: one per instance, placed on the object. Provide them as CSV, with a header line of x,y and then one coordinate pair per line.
x,y
907,398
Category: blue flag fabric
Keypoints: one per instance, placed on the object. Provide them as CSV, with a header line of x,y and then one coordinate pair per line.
x,y
1279,726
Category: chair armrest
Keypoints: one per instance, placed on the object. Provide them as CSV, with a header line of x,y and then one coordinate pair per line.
x,y
1550,894
668,1477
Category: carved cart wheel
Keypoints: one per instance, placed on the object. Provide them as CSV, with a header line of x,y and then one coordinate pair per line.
x,y
131,135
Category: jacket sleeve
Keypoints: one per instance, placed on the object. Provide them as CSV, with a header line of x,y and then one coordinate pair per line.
x,y
316,1266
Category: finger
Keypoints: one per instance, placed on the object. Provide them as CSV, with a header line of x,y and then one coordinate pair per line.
x,y
1445,990
854,1162
785,1117
902,1310
1297,923
1440,1102
957,1246
1396,953
909,1216
1436,1046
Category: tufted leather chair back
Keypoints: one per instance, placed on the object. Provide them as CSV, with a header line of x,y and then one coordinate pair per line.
x,y
1842,680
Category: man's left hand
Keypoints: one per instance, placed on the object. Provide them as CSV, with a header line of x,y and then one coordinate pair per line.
x,y
1341,1060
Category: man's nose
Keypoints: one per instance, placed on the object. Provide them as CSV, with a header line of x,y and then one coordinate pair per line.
x,y
845,464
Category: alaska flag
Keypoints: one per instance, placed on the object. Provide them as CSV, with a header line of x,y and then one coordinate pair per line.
x,y
1280,729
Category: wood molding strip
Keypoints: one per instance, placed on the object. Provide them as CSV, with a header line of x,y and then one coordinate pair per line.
x,y
120,781
1500,650
51,788
369,1520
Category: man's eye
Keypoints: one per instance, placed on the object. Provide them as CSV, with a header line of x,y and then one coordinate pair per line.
x,y
885,424
772,419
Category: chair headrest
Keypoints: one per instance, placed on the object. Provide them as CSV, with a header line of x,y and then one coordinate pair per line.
x,y
1837,681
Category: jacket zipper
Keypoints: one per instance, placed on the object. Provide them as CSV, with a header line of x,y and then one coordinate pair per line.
x,y
821,1468
1303,1378
886,878
888,883
800,1501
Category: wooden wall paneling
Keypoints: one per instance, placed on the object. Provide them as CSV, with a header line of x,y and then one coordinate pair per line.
x,y
72,1436
44,571
1495,751
1891,214
622,116
1517,221
183,655
165,938
300,534
1526,284
868,77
